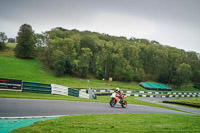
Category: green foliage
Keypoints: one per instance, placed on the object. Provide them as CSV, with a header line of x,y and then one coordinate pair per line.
x,y
9,50
25,42
183,74
103,56
84,60
122,59
139,75
59,62
3,38
2,46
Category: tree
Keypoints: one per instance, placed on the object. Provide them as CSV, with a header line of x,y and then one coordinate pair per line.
x,y
193,59
84,61
183,74
67,47
3,38
104,56
139,75
25,42
59,62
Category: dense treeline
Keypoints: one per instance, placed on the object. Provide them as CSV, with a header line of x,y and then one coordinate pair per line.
x,y
104,56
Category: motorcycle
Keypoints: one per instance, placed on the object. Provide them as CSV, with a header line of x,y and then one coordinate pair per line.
x,y
114,100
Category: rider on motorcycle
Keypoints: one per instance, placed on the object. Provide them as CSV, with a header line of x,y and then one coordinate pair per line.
x,y
119,94
118,97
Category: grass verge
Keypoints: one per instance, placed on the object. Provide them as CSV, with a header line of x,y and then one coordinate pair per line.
x,y
194,102
117,123
102,99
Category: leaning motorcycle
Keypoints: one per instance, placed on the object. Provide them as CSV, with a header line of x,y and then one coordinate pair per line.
x,y
114,100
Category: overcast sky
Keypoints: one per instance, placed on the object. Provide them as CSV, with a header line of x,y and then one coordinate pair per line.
x,y
171,22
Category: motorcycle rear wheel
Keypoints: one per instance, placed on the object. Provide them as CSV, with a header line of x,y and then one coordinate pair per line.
x,y
112,102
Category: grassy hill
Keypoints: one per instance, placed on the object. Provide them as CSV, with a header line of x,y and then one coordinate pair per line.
x,y
31,70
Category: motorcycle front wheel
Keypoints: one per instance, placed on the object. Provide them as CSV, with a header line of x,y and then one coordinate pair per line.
x,y
124,105
112,102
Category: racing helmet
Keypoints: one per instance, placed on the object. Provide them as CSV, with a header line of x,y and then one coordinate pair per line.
x,y
117,89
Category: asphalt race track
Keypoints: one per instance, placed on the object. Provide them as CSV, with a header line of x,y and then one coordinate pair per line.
x,y
11,107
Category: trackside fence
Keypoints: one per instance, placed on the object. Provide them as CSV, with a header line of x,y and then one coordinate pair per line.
x,y
63,90
177,94
59,89
36,87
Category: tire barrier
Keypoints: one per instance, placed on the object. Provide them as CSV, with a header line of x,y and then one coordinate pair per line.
x,y
128,91
63,90
10,84
138,93
59,89
73,92
36,87
84,95
183,93
169,96
103,94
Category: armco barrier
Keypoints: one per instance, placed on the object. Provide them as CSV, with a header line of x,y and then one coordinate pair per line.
x,y
36,87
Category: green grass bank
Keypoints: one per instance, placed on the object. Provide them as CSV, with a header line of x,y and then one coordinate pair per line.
x,y
117,123
31,70
193,102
